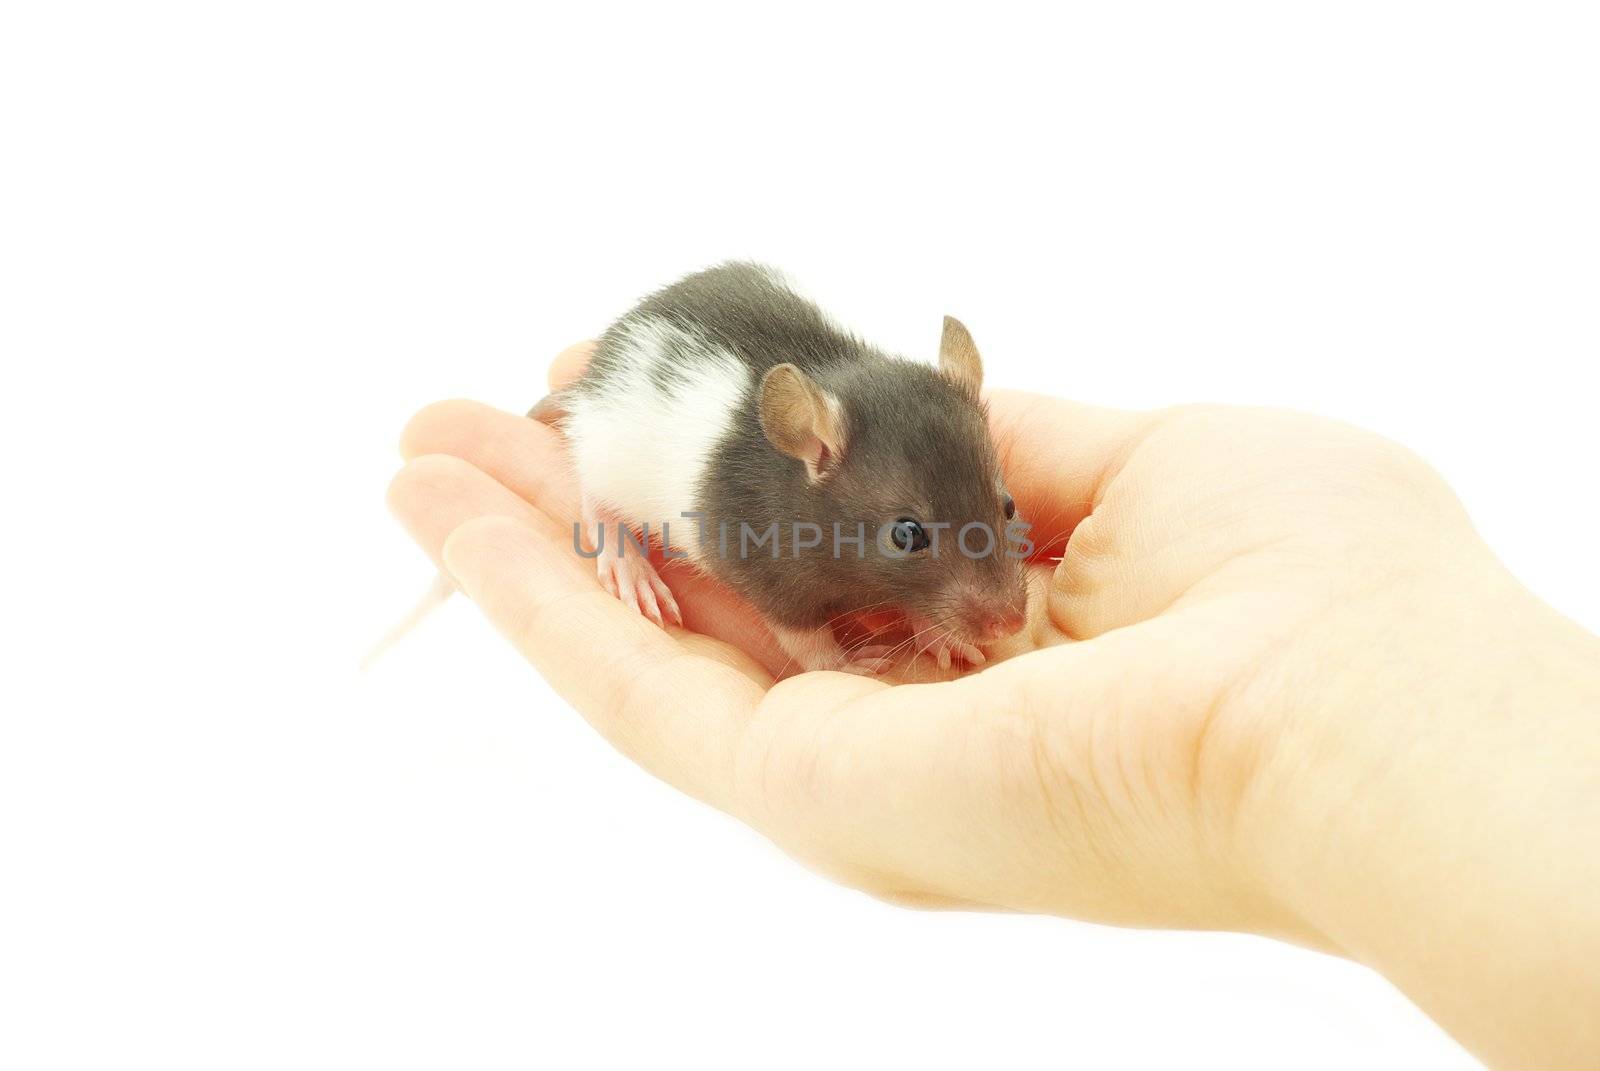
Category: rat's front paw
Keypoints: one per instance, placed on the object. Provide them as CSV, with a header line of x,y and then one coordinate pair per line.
x,y
947,649
869,661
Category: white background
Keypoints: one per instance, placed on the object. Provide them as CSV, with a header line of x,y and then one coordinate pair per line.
x,y
240,243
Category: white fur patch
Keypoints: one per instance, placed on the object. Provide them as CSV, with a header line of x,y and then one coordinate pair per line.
x,y
642,450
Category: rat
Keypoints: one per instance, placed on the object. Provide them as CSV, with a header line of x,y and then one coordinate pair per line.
x,y
814,474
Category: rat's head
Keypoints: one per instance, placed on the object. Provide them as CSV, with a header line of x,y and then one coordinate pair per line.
x,y
903,453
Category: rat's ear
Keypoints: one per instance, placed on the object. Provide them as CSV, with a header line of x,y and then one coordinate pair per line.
x,y
958,356
802,420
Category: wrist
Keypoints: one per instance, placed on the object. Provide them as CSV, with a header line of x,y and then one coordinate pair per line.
x,y
1432,805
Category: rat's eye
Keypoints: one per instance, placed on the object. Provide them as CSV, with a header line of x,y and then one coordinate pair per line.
x,y
908,535
1009,506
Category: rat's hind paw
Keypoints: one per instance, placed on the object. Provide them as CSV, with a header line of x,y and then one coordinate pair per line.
x,y
634,581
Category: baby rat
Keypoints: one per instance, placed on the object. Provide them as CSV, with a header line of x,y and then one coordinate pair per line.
x,y
809,471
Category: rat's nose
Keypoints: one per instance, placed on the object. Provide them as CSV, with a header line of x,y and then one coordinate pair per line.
x,y
996,623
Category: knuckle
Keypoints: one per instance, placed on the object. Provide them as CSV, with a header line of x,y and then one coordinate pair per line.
x,y
435,425
422,477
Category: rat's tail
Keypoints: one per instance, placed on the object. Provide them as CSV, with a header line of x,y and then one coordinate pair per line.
x,y
551,410
443,587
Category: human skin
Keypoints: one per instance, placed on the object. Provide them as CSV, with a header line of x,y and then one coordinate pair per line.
x,y
1275,684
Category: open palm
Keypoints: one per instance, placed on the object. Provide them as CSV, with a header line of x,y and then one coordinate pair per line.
x,y
1097,768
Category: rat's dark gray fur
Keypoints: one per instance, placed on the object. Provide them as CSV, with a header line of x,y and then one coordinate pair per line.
x,y
917,446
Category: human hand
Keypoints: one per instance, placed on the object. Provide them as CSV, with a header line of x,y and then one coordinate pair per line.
x,y
1230,686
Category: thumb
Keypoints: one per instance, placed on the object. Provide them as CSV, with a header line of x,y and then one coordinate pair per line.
x,y
1058,456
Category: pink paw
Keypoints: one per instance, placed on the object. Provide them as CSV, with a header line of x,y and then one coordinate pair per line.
x,y
869,661
947,649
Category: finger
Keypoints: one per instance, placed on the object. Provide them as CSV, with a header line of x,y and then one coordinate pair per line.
x,y
679,714
522,454
1058,456
569,364
529,458
435,494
